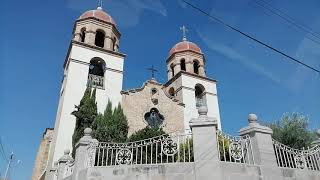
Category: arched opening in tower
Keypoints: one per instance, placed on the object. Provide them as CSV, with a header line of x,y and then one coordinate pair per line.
x,y
183,64
195,66
99,40
83,34
96,73
200,95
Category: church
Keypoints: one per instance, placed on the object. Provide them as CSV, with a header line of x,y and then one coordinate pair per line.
x,y
94,59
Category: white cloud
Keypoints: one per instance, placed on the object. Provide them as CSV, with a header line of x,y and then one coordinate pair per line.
x,y
308,52
126,13
231,53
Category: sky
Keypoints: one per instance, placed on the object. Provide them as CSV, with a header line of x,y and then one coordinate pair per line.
x,y
35,36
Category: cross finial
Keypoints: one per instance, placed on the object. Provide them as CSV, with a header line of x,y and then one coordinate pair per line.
x,y
153,70
184,32
99,4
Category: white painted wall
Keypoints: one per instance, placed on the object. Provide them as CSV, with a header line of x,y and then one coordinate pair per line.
x,y
190,110
75,85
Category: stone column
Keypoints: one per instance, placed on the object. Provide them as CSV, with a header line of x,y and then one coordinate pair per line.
x,y
62,164
177,68
189,66
261,142
90,36
202,72
206,154
82,159
77,36
169,74
108,43
317,142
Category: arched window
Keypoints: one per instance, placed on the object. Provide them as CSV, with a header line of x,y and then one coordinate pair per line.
x,y
171,92
96,72
113,44
99,40
172,69
183,64
83,34
154,118
196,66
200,95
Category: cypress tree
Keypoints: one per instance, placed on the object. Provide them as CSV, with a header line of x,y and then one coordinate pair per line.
x,y
85,114
112,126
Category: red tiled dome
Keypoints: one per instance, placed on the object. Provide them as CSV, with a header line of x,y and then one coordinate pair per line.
x,y
185,46
99,14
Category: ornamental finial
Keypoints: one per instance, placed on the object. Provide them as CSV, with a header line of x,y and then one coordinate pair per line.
x,y
252,118
184,33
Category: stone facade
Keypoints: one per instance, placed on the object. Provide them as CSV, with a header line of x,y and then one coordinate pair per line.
x,y
42,155
136,103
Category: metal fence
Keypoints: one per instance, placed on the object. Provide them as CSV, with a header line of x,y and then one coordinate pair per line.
x,y
294,158
235,149
171,148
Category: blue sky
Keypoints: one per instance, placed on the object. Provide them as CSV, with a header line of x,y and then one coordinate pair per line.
x,y
251,78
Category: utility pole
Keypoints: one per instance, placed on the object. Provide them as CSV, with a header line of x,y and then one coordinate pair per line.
x,y
8,166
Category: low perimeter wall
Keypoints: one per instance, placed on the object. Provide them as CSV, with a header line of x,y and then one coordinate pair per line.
x,y
186,171
206,154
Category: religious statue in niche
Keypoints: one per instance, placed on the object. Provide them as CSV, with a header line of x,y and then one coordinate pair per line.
x,y
154,118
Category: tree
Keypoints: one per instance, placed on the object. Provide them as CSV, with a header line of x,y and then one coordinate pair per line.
x,y
85,114
145,133
111,126
292,130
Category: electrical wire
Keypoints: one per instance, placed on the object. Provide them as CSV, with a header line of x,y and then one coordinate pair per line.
x,y
250,37
289,20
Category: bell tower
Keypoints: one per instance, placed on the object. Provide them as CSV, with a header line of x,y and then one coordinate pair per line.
x,y
93,60
187,80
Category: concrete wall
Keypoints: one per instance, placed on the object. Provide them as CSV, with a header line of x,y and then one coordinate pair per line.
x,y
181,171
186,171
74,85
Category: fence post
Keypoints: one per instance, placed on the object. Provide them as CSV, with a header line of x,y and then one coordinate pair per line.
x,y
317,142
62,164
205,147
82,159
261,141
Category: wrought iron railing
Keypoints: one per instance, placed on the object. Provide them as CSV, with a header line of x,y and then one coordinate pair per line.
x,y
68,169
95,81
173,148
294,158
235,149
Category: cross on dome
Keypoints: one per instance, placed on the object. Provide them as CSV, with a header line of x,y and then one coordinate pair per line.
x,y
99,4
184,32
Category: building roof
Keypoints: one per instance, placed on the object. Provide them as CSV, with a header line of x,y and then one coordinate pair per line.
x,y
98,13
184,46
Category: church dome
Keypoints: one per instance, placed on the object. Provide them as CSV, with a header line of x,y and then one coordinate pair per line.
x,y
98,14
185,46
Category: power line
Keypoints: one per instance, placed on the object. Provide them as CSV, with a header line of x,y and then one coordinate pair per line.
x,y
287,17
2,151
289,20
250,37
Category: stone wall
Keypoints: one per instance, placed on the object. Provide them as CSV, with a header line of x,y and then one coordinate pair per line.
x,y
206,165
186,171
136,103
42,155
